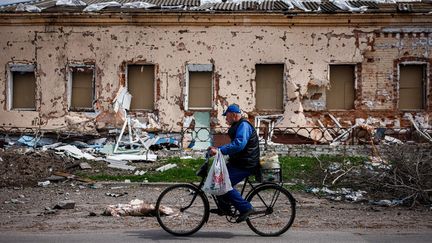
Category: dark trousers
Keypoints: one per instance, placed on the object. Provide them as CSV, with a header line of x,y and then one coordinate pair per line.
x,y
234,197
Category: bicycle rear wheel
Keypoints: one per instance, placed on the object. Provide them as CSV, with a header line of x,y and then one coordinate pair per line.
x,y
275,210
182,209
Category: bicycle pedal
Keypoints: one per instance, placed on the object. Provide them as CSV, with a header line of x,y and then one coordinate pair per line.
x,y
231,218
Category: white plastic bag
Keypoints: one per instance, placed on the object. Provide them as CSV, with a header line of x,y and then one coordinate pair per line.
x,y
217,181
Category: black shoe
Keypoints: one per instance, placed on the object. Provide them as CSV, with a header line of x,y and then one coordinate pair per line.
x,y
243,216
219,212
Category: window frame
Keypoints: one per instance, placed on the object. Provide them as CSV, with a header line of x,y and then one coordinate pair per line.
x,y
284,78
198,68
70,71
154,84
356,80
19,67
425,85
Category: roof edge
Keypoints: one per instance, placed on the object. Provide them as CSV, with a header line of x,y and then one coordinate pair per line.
x,y
210,19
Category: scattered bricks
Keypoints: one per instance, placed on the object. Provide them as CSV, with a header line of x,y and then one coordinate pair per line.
x,y
66,204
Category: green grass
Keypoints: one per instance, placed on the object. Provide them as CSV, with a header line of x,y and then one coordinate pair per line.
x,y
303,167
297,167
299,172
184,172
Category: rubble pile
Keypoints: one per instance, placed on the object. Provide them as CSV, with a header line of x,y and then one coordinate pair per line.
x,y
30,160
25,167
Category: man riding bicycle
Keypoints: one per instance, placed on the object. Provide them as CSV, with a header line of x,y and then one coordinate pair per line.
x,y
244,154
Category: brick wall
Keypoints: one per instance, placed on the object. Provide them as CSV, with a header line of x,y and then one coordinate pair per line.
x,y
351,150
309,150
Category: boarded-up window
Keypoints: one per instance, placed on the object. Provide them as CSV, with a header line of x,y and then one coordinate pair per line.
x,y
82,93
411,87
200,90
141,86
269,86
23,88
341,92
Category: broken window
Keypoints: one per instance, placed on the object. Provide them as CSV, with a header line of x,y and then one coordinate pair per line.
x,y
81,87
199,95
341,94
269,87
412,91
140,84
22,87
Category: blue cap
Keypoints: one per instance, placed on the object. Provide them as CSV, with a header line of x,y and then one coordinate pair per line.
x,y
232,108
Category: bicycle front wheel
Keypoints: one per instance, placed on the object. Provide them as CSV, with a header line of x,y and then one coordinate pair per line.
x,y
275,210
182,209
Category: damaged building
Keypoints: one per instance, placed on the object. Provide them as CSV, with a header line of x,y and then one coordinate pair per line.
x,y
288,64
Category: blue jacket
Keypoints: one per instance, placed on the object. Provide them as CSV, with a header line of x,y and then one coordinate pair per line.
x,y
243,150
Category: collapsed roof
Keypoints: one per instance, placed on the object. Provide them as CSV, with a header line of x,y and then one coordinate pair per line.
x,y
285,6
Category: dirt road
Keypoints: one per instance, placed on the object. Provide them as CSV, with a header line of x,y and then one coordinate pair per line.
x,y
25,209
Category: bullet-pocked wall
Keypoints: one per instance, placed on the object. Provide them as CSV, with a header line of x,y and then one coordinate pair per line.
x,y
306,54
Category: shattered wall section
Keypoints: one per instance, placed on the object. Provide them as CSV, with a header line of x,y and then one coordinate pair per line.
x,y
380,77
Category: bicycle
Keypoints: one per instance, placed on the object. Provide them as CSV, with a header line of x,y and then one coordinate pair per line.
x,y
182,209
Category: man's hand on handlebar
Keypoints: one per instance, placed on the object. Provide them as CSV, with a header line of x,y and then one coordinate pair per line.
x,y
212,151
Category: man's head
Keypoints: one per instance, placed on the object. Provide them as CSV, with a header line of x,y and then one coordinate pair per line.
x,y
232,114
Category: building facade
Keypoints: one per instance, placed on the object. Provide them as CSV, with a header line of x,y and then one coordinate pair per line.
x,y
62,68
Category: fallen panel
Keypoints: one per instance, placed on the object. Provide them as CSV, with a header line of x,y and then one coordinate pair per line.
x,y
166,167
75,152
118,164
138,157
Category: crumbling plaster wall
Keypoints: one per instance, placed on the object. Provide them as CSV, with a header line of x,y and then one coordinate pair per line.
x,y
380,74
233,50
18,46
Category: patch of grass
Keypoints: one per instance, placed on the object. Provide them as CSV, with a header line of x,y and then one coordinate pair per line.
x,y
184,172
296,187
307,171
299,172
297,167
353,160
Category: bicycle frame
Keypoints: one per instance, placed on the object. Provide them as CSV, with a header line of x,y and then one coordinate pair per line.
x,y
202,172
263,195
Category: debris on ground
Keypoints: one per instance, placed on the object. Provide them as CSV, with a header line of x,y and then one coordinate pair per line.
x,y
110,194
65,204
29,159
166,167
85,166
43,183
119,164
135,207
385,202
27,169
401,177
47,211
71,176
140,172
342,194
